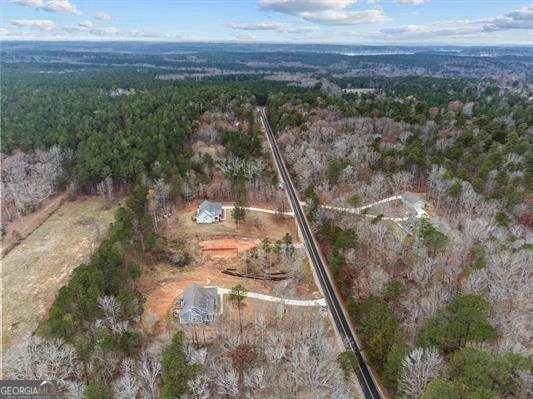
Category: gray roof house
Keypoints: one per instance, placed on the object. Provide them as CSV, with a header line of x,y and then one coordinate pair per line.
x,y
209,212
198,305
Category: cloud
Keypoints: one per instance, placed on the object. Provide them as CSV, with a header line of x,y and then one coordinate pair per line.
x,y
86,24
50,5
103,16
244,36
417,31
270,26
328,12
524,13
40,24
5,32
334,17
516,19
83,29
297,7
410,2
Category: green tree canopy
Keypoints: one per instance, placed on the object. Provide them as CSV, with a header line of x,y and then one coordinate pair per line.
x,y
464,320
176,371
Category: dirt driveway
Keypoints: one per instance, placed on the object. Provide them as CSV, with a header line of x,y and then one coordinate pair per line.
x,y
39,266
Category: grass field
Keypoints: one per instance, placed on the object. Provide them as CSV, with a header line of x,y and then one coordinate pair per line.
x,y
40,265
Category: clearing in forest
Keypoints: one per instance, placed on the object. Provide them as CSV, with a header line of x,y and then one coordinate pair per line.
x,y
40,265
212,249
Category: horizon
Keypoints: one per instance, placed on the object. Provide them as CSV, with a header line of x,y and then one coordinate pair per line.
x,y
335,22
229,41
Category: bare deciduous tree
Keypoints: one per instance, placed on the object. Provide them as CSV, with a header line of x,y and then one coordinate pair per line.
x,y
419,367
149,369
39,359
126,386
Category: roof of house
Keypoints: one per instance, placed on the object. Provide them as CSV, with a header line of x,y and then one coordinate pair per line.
x,y
199,300
214,208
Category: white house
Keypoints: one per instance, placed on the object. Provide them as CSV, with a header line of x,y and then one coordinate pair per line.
x,y
198,305
209,212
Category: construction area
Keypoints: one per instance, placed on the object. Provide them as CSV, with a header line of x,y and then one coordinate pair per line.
x,y
217,257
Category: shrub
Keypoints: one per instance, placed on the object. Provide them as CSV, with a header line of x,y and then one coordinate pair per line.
x,y
433,238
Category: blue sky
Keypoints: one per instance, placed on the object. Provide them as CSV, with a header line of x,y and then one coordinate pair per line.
x,y
293,21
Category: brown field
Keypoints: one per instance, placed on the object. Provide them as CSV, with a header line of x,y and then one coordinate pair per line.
x,y
40,265
256,225
21,228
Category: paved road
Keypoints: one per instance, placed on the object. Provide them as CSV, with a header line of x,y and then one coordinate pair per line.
x,y
364,376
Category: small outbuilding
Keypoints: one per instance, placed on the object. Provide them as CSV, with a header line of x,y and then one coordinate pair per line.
x,y
209,212
198,305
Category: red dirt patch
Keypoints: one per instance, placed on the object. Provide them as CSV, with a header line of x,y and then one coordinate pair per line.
x,y
227,247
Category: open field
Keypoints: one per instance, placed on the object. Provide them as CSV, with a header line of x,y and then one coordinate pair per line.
x,y
21,228
40,265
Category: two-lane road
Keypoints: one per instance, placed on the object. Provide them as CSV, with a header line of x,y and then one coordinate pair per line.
x,y
364,376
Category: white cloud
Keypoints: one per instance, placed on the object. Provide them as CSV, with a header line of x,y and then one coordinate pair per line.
x,y
334,17
271,26
372,1
50,5
521,19
41,24
523,13
103,16
424,31
328,12
244,36
5,32
516,19
88,24
411,2
296,7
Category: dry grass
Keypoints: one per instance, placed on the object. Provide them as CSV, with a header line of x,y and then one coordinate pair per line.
x,y
21,228
39,266
256,225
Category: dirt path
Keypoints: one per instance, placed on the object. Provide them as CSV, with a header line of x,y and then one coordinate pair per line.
x,y
33,271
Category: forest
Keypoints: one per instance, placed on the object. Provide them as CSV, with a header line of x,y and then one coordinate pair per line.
x,y
441,301
430,297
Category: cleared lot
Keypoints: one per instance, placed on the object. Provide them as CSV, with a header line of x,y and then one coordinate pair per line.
x,y
39,266
213,248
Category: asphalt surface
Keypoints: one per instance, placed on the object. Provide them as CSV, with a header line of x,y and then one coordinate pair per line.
x,y
364,376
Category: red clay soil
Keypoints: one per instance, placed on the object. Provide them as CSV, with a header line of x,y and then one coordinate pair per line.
x,y
228,244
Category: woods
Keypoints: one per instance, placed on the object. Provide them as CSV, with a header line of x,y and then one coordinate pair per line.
x,y
420,288
437,280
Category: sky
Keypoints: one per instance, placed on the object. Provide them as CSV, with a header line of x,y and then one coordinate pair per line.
x,y
416,22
